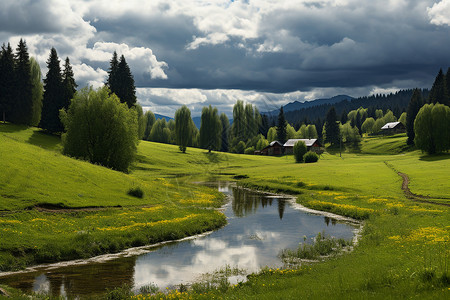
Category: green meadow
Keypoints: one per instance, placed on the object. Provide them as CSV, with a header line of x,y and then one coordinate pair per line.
x,y
56,208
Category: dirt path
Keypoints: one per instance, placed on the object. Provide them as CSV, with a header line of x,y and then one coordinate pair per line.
x,y
416,197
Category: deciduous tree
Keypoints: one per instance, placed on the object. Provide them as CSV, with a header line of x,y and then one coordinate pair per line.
x,y
210,129
100,129
183,130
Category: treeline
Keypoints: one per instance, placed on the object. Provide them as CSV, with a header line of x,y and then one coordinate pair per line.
x,y
20,86
426,119
395,102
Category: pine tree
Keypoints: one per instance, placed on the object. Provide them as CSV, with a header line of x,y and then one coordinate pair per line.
x,y
447,85
53,95
281,127
332,127
23,106
6,82
124,88
68,83
112,81
438,92
414,106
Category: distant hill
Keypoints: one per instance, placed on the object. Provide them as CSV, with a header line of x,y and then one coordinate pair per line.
x,y
296,105
158,116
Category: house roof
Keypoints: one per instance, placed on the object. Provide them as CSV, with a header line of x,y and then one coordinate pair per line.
x,y
291,142
390,125
275,142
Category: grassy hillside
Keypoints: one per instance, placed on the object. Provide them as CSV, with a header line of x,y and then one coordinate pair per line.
x,y
404,251
53,207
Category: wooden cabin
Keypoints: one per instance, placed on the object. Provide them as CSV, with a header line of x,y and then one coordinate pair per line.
x,y
393,128
274,148
311,145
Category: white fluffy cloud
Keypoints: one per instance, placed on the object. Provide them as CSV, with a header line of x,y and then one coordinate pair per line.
x,y
439,13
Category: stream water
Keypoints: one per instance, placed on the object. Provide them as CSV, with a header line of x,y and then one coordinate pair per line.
x,y
259,226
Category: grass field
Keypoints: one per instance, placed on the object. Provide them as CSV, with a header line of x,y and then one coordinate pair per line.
x,y
404,251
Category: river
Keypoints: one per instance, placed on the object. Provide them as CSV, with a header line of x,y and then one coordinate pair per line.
x,y
259,226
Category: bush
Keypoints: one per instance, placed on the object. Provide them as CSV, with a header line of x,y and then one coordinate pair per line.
x,y
299,151
240,147
250,150
136,192
100,129
311,157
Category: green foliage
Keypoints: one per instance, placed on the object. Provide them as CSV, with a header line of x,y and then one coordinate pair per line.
x,y
37,91
439,92
7,88
120,80
100,129
349,134
142,121
311,132
23,107
53,99
290,132
311,157
120,293
183,127
159,132
331,127
249,150
136,192
272,134
367,126
240,147
210,129
68,84
414,105
149,121
431,128
299,150
402,118
225,132
281,127
262,143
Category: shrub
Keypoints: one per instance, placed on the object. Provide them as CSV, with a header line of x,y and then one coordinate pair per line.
x,y
311,157
299,151
100,129
240,147
250,150
136,192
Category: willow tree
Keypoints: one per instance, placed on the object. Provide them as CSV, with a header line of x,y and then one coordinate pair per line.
x,y
210,129
183,130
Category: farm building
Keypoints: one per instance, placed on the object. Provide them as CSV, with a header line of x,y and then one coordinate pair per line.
x,y
274,148
393,128
311,145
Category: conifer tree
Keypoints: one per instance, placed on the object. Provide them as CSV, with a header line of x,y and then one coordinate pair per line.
x,y
332,127
23,106
438,92
53,99
68,83
125,88
411,112
6,82
447,85
281,127
112,82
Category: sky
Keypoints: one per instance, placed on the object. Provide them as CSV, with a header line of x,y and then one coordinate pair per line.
x,y
265,52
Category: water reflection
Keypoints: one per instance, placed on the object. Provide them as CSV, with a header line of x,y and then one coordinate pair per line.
x,y
259,226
